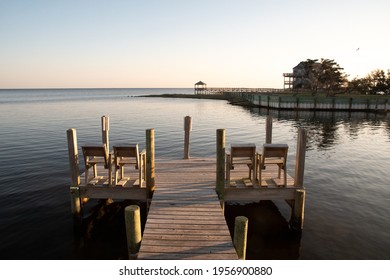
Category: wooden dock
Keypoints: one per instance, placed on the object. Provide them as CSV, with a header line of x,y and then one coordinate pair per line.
x,y
187,196
185,219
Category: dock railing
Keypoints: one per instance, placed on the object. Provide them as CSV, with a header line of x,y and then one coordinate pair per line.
x,y
223,90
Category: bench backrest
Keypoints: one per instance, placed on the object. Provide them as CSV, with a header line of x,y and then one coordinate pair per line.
x,y
126,151
91,151
275,151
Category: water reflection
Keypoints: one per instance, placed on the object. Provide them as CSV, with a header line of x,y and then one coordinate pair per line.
x,y
323,127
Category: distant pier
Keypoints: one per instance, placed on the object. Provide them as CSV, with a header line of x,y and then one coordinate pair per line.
x,y
201,88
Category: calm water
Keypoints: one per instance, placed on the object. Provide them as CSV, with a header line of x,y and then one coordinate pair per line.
x,y
348,192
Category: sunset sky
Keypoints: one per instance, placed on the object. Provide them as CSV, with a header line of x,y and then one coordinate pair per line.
x,y
175,43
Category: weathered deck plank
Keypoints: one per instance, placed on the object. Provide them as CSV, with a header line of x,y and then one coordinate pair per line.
x,y
185,219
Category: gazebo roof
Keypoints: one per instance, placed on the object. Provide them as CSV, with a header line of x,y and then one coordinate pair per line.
x,y
200,83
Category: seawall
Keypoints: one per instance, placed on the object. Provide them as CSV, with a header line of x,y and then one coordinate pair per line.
x,y
288,102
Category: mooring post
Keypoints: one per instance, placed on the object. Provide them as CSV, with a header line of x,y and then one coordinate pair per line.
x,y
220,186
187,129
105,129
240,236
133,230
298,207
268,130
150,161
75,200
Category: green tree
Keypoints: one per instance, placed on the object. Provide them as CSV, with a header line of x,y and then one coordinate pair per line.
x,y
311,74
378,81
388,81
374,82
325,75
331,76
361,85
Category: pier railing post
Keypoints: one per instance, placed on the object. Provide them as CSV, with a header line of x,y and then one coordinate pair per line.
x,y
187,129
150,161
133,230
268,130
105,129
220,186
298,207
240,236
75,199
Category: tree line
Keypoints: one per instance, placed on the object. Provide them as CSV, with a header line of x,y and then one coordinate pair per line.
x,y
326,75
376,82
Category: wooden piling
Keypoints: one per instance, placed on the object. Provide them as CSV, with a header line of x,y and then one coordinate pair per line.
x,y
227,177
76,205
73,156
75,200
300,158
187,129
110,179
298,210
133,230
220,184
105,129
150,176
268,130
298,206
240,236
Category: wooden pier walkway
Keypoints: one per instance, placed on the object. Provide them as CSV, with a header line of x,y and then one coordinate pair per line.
x,y
185,219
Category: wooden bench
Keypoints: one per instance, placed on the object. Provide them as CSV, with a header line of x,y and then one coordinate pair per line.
x,y
274,154
93,155
127,154
242,154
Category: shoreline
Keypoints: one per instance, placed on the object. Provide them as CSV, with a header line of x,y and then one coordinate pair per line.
x,y
232,100
378,104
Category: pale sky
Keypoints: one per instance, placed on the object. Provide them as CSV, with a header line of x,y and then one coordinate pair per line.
x,y
175,43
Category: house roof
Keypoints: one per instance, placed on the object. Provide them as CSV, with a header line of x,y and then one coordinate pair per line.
x,y
200,83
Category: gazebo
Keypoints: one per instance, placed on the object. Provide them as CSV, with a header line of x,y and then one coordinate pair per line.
x,y
200,87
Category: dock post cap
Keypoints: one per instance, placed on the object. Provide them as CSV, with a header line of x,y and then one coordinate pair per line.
x,y
132,208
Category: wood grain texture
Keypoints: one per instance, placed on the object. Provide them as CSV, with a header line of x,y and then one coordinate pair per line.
x,y
185,220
